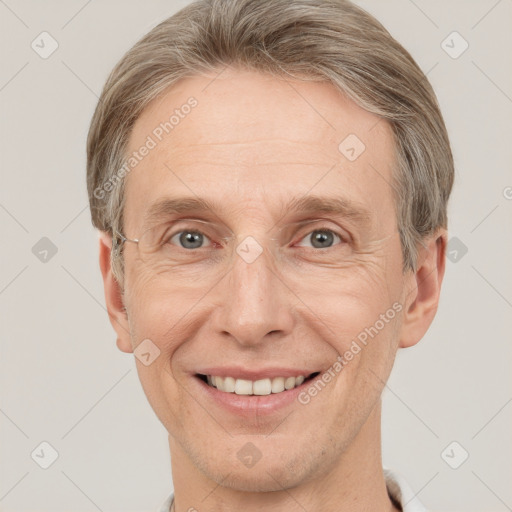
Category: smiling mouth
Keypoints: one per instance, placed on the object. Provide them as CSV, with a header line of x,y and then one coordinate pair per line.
x,y
258,387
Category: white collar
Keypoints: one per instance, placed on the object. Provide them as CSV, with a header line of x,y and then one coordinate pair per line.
x,y
398,489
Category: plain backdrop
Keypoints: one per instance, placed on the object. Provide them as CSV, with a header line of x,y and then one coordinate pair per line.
x,y
63,381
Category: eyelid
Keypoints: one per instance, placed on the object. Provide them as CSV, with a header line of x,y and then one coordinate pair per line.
x,y
344,236
176,229
340,232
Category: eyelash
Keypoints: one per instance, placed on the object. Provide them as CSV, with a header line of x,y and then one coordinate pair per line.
x,y
342,238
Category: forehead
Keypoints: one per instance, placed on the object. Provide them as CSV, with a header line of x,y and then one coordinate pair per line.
x,y
248,139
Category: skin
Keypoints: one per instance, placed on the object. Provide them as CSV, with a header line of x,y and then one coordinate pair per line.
x,y
252,144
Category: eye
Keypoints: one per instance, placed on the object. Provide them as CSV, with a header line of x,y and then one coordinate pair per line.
x,y
189,239
320,239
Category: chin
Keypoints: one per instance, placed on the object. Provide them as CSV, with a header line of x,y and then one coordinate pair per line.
x,y
275,472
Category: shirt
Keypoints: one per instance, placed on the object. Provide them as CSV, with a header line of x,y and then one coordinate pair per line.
x,y
398,490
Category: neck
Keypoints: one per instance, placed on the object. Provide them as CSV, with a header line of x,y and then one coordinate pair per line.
x,y
355,483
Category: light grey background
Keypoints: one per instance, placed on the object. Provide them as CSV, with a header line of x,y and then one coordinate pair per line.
x,y
62,378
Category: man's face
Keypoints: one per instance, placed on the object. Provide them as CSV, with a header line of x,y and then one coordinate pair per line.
x,y
255,147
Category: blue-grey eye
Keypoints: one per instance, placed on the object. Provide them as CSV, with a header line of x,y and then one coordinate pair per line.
x,y
321,239
190,239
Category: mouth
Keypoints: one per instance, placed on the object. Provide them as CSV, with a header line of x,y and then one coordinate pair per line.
x,y
244,387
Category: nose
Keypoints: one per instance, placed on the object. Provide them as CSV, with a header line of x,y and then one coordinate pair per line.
x,y
253,301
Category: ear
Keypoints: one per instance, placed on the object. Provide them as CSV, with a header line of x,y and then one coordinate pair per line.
x,y
424,289
114,295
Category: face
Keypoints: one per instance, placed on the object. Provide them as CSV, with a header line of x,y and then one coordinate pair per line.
x,y
268,251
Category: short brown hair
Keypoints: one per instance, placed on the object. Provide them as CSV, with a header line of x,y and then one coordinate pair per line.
x,y
321,40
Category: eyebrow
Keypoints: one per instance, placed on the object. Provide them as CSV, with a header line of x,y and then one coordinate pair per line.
x,y
306,205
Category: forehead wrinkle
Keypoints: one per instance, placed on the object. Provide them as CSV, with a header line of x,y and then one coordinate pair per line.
x,y
305,205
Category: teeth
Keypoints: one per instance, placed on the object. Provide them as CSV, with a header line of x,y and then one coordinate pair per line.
x,y
258,387
262,387
242,387
277,385
229,385
289,383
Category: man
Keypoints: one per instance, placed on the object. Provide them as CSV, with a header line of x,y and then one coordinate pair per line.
x,y
270,181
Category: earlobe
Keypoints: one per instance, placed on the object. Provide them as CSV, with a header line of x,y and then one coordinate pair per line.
x,y
422,297
113,295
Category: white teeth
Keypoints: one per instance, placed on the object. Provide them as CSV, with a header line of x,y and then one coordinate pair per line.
x,y
258,387
277,384
262,387
289,383
219,383
242,387
229,384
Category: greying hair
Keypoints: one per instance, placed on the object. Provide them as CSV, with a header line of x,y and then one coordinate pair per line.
x,y
320,40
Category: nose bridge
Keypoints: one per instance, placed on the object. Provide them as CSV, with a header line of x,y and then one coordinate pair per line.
x,y
255,301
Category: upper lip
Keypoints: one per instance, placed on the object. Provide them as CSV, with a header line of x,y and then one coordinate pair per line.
x,y
253,374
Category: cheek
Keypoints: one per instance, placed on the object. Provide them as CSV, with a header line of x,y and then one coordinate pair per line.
x,y
357,312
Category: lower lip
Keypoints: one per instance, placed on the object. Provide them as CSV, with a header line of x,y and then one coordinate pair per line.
x,y
250,405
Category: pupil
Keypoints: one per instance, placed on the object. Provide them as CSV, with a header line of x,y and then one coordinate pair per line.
x,y
322,239
191,240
